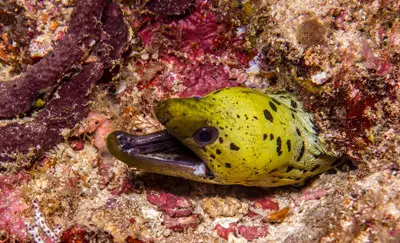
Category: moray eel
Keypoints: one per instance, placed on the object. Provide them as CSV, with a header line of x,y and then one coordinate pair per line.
x,y
230,136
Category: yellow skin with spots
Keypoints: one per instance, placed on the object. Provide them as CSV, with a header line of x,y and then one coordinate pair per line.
x,y
258,139
250,125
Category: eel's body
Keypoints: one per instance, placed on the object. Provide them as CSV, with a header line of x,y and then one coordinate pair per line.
x,y
238,136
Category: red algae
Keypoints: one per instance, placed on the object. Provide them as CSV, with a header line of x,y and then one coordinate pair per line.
x,y
194,48
252,214
265,203
248,232
252,232
173,205
12,205
224,232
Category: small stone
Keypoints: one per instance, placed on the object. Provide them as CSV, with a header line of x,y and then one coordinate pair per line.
x,y
167,232
226,207
77,144
181,223
319,78
145,56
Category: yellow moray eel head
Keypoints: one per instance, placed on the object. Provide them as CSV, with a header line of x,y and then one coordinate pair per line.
x,y
230,136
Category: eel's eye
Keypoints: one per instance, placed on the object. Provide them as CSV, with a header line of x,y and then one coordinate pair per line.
x,y
205,135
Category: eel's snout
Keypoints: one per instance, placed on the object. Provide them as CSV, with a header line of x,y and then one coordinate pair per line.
x,y
120,143
114,145
163,113
158,152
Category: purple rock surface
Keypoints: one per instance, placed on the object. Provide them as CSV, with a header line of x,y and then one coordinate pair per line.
x,y
94,27
18,95
62,112
170,7
114,36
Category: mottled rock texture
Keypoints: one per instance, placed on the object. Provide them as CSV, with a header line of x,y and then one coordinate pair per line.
x,y
18,95
62,112
340,58
94,24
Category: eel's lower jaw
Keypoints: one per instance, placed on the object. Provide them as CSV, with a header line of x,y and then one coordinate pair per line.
x,y
158,152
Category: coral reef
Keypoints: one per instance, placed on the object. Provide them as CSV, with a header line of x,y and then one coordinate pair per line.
x,y
40,222
63,112
11,206
340,58
70,104
18,95
17,31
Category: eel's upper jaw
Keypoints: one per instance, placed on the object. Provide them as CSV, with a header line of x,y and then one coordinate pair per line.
x,y
158,152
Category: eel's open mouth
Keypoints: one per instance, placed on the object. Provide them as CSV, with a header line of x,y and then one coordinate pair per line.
x,y
158,152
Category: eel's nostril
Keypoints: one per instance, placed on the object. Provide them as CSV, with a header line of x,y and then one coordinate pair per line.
x,y
164,117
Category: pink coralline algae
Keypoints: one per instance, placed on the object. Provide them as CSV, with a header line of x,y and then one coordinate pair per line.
x,y
178,210
252,214
101,133
124,186
266,203
98,124
179,224
12,205
173,205
248,232
381,65
193,47
94,120
311,195
252,232
94,25
224,232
